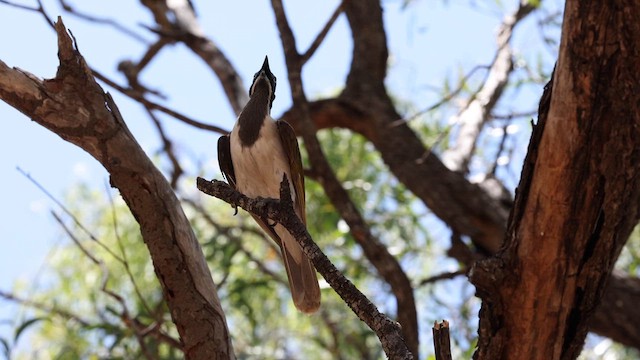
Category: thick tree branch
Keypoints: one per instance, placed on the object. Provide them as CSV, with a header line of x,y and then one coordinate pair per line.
x,y
73,106
579,196
616,317
282,211
376,252
467,208
369,57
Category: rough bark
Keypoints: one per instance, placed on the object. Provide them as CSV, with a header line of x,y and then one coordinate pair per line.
x,y
281,211
364,106
467,208
386,264
579,194
75,107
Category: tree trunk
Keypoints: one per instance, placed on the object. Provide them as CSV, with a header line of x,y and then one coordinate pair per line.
x,y
579,193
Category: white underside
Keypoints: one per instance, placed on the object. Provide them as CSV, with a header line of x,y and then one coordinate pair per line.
x,y
259,170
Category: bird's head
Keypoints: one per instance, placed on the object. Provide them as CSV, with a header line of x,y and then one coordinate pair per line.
x,y
264,79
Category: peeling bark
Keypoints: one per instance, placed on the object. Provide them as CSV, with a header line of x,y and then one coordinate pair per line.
x,y
75,107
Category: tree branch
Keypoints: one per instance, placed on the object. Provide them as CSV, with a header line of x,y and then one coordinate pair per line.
x,y
579,195
323,33
282,211
478,110
74,106
137,96
184,27
441,341
376,252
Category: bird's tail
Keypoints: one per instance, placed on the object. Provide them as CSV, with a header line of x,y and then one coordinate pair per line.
x,y
303,280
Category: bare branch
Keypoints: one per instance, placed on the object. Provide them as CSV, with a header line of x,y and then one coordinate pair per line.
x,y
73,101
227,232
47,308
478,110
445,99
155,106
39,9
441,341
282,211
323,33
387,265
102,20
168,149
443,276
184,27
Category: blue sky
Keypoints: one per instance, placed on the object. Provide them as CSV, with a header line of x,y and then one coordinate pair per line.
x,y
429,41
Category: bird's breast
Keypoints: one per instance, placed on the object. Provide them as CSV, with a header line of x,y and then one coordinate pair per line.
x,y
260,166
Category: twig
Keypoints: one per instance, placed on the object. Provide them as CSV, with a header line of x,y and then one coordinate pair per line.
x,y
477,111
125,261
282,211
39,9
442,276
155,106
100,20
169,149
140,330
50,309
441,340
445,99
226,231
323,33
69,213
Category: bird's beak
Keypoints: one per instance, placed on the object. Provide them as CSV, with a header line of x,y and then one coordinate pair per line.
x,y
265,65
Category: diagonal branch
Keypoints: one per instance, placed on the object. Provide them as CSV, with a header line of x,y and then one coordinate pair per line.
x,y
184,26
101,20
323,33
75,107
387,265
282,211
155,106
478,110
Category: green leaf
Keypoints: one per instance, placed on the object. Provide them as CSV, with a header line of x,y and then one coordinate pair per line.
x,y
535,3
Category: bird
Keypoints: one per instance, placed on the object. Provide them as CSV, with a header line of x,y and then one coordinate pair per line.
x,y
253,158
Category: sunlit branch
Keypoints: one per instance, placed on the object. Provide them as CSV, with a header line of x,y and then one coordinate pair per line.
x,y
476,112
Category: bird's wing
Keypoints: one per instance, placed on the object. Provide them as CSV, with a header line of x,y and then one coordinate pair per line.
x,y
291,148
224,160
